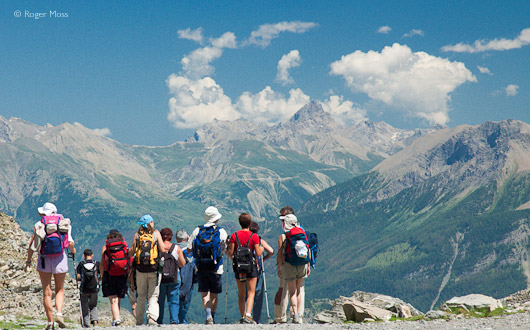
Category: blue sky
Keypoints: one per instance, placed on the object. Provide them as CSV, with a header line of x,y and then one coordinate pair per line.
x,y
150,72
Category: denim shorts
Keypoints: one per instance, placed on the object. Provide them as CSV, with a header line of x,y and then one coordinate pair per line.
x,y
56,264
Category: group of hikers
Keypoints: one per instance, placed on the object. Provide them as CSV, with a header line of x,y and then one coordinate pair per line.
x,y
152,269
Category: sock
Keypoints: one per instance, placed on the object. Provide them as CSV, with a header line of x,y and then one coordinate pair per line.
x,y
208,311
248,315
59,314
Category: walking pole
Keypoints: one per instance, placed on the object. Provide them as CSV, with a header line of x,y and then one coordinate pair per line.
x,y
77,287
265,288
226,291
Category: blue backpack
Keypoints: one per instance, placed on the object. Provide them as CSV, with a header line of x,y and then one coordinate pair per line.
x,y
312,239
207,249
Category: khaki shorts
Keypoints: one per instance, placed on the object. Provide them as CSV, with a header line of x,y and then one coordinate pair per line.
x,y
291,273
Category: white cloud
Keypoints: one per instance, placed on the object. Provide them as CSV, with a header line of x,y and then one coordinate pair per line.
x,y
270,106
227,40
195,35
197,63
413,32
196,102
344,111
521,40
266,32
288,61
484,70
384,29
512,90
102,131
418,83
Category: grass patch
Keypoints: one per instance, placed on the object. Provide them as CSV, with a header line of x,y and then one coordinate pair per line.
x,y
480,312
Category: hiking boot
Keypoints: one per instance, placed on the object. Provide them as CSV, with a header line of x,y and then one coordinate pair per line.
x,y
115,323
278,322
248,320
60,321
209,320
242,320
49,326
94,323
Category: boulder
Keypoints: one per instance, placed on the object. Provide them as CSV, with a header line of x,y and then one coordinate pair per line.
x,y
395,305
474,302
432,315
357,311
334,315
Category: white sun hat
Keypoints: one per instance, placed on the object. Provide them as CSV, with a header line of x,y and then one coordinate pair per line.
x,y
47,209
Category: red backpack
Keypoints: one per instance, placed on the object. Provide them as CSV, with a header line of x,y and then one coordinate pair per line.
x,y
117,261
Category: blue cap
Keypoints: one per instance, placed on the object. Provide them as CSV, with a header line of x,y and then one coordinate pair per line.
x,y
145,220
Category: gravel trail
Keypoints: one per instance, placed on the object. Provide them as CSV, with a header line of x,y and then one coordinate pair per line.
x,y
507,322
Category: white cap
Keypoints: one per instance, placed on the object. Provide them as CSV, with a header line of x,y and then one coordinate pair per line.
x,y
290,221
47,209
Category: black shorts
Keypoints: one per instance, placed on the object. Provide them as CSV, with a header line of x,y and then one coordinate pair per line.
x,y
210,282
253,273
114,285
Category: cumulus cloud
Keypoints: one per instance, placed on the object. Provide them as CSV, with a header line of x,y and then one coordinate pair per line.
x,y
195,35
197,63
102,131
196,102
521,40
484,70
344,111
512,90
270,106
266,32
288,61
418,83
413,32
384,29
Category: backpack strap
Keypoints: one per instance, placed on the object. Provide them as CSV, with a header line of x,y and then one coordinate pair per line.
x,y
248,242
237,239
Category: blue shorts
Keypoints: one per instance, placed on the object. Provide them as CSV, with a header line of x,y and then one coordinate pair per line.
x,y
57,264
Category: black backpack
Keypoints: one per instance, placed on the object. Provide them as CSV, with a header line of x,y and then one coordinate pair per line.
x,y
89,277
170,270
243,256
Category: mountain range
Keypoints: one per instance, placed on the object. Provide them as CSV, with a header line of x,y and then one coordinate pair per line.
x,y
235,165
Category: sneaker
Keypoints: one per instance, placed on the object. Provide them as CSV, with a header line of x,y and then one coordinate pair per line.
x,y
242,320
150,321
278,322
248,320
116,323
297,319
50,326
209,320
60,321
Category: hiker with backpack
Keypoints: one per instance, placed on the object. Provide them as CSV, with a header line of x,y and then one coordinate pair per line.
x,y
115,266
146,248
294,255
170,281
261,286
244,247
52,235
187,277
88,273
208,242
281,299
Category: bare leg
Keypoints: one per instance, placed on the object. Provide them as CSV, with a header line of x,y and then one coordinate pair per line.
x,y
46,281
205,299
115,307
59,291
213,302
251,292
241,286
